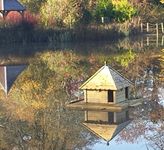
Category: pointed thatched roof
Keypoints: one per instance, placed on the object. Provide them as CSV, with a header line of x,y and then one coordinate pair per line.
x,y
11,5
106,78
8,74
105,131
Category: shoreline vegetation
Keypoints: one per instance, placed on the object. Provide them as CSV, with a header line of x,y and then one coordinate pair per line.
x,y
81,21
26,33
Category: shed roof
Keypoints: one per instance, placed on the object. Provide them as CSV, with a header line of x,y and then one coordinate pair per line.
x,y
106,131
11,5
106,78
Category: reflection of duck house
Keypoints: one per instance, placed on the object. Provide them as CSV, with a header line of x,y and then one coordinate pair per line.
x,y
107,88
8,75
106,125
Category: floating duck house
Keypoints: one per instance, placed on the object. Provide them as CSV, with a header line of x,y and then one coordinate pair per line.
x,y
106,86
106,125
106,90
8,74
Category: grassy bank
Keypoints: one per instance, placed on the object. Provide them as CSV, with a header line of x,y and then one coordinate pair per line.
x,y
25,33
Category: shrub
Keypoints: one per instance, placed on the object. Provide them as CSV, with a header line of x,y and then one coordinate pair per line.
x,y
31,18
104,8
86,17
122,10
13,17
115,10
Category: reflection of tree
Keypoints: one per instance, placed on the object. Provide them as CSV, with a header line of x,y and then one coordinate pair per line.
x,y
148,118
147,123
39,97
60,130
145,128
50,130
157,140
41,91
50,73
133,132
125,58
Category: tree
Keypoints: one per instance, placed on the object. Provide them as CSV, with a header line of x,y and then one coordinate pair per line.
x,y
115,10
33,5
61,13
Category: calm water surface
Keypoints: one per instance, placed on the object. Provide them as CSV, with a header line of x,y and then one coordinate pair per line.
x,y
33,115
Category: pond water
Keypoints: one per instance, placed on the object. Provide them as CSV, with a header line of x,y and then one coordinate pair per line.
x,y
43,78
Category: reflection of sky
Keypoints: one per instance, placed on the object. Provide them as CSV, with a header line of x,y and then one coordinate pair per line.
x,y
161,96
141,144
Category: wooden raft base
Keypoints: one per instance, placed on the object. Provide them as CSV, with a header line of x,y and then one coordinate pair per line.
x,y
81,105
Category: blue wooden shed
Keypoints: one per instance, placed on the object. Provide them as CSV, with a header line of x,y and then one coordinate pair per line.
x,y
11,5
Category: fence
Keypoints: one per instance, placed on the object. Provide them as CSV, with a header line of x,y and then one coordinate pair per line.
x,y
152,28
152,40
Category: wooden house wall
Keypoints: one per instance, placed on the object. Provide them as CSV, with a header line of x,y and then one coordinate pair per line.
x,y
96,116
96,96
120,95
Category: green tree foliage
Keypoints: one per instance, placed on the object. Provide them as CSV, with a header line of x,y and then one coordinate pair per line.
x,y
123,10
115,10
103,9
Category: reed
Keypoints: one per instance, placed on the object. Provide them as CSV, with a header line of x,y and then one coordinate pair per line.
x,y
25,32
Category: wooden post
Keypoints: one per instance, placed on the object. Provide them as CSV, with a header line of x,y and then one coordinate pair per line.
x,y
157,41
142,42
114,96
141,27
162,28
157,34
86,96
139,20
162,42
147,39
102,19
157,29
147,27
